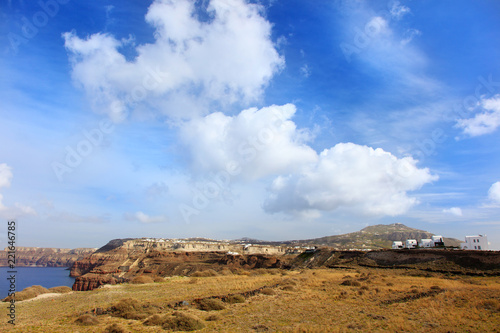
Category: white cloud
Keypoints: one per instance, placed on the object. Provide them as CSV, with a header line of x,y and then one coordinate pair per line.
x,y
18,209
227,59
494,192
5,175
305,71
398,10
457,211
485,122
259,142
144,218
358,178
409,35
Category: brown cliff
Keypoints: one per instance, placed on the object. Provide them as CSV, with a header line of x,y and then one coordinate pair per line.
x,y
45,257
437,260
120,261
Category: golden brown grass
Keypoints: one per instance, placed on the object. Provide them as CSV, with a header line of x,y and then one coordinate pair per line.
x,y
316,302
60,290
142,279
28,293
206,273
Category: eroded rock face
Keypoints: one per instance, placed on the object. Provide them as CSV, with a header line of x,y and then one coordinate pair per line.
x,y
46,257
123,260
92,281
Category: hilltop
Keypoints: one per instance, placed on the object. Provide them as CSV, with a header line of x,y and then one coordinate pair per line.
x,y
378,236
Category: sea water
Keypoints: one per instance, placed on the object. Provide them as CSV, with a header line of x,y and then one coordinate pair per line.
x,y
47,277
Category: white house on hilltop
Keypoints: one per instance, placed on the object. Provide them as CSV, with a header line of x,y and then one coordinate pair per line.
x,y
397,245
478,242
411,243
426,242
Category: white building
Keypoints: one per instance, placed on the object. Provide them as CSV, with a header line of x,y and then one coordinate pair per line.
x,y
437,241
426,242
478,242
411,243
397,245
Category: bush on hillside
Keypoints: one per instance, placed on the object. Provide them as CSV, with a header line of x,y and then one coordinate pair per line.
x,y
142,279
206,273
235,299
131,308
87,320
27,293
61,290
211,304
179,321
115,328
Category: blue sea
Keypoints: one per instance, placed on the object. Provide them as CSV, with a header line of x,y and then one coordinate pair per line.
x,y
47,277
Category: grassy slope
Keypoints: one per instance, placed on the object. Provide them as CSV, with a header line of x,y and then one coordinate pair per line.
x,y
315,301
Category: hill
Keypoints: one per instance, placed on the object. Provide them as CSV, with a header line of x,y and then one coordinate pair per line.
x,y
375,237
45,257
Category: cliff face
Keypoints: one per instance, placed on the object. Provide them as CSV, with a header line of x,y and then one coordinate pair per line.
x,y
453,261
45,257
120,261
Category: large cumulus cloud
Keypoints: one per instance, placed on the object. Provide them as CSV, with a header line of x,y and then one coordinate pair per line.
x,y
350,176
192,63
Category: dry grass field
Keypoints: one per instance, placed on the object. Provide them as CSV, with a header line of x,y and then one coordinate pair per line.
x,y
316,300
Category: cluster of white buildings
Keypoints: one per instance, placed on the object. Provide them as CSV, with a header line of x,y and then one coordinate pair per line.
x,y
435,241
478,242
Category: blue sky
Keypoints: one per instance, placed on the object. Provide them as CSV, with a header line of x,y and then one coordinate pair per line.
x,y
227,119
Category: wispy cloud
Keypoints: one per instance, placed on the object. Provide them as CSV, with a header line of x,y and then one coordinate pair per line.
x,y
144,218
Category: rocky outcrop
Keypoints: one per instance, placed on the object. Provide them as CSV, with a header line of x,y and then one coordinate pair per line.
x,y
438,260
122,260
45,257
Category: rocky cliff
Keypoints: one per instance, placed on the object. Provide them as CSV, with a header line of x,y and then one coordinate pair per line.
x,y
46,257
121,260
436,260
